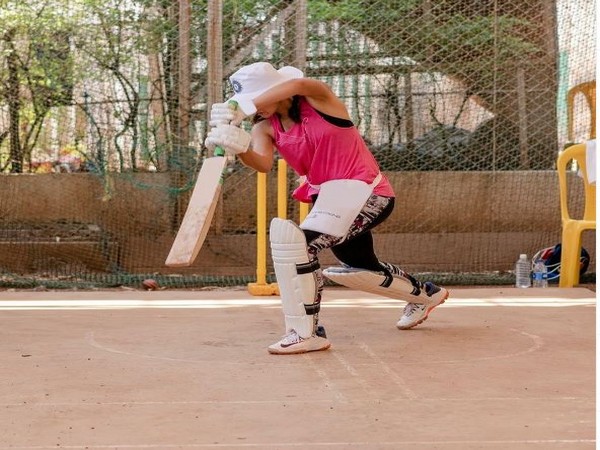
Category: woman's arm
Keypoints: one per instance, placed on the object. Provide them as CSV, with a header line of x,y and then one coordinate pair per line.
x,y
318,94
260,155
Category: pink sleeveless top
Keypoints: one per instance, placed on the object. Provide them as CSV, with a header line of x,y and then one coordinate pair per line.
x,y
321,152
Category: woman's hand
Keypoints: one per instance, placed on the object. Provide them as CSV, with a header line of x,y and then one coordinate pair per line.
x,y
224,114
232,139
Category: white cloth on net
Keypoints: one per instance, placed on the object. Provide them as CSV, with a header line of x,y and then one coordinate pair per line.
x,y
590,156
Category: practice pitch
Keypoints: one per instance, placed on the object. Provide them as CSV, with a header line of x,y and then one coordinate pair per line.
x,y
492,368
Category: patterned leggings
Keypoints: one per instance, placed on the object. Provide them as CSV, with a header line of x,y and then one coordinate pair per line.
x,y
355,249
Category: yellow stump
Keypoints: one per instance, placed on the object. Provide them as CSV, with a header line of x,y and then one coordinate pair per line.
x,y
282,193
261,287
303,211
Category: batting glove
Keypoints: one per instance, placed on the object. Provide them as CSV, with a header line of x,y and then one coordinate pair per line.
x,y
232,139
224,113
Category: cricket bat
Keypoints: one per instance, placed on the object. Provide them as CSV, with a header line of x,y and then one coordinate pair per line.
x,y
199,213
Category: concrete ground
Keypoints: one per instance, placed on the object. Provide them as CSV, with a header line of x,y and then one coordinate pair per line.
x,y
492,368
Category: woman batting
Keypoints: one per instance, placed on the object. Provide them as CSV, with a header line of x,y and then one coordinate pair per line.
x,y
311,129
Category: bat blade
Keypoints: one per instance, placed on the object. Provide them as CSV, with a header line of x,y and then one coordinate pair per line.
x,y
199,213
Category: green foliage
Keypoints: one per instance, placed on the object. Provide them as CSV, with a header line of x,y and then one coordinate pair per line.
x,y
36,68
361,10
479,35
404,27
63,44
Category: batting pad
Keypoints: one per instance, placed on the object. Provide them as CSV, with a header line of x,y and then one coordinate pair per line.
x,y
377,283
295,275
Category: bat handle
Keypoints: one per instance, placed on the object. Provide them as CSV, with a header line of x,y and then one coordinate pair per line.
x,y
220,151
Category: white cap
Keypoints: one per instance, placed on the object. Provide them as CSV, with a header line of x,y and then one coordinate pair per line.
x,y
523,256
252,80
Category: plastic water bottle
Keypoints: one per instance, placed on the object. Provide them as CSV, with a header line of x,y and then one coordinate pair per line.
x,y
522,272
540,274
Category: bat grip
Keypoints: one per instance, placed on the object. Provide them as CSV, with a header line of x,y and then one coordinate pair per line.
x,y
220,151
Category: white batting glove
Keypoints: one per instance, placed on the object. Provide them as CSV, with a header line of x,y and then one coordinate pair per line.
x,y
224,113
230,138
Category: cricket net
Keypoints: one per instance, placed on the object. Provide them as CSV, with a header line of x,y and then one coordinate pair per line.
x,y
465,105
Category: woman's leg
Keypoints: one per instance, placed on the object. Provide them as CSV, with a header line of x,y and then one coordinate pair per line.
x,y
356,248
359,253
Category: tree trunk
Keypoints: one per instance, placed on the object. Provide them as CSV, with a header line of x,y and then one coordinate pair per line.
x,y
14,104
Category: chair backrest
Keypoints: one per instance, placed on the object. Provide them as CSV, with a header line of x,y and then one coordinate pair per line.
x,y
576,152
588,89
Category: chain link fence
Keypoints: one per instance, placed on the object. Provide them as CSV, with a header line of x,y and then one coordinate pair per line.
x,y
103,116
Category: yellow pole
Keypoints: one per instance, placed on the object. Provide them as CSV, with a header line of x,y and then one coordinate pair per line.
x,y
282,193
261,231
261,287
303,211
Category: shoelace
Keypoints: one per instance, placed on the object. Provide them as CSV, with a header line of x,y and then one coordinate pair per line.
x,y
291,338
411,308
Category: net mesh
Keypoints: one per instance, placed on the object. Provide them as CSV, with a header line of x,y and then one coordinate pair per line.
x,y
464,104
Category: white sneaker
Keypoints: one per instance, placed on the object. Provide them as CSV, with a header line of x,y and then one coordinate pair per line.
x,y
292,344
416,313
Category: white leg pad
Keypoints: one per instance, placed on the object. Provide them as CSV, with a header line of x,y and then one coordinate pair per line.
x,y
396,287
295,275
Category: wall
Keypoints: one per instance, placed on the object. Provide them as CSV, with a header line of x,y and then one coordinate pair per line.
x,y
443,222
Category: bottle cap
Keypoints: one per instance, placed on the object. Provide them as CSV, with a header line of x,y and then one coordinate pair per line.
x,y
522,256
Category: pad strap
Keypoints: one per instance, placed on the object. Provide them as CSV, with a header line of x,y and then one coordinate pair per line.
x,y
296,277
308,267
385,284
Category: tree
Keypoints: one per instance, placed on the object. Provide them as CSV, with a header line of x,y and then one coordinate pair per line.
x,y
36,72
504,52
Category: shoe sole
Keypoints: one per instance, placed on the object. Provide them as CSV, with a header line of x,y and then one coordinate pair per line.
x,y
424,318
275,351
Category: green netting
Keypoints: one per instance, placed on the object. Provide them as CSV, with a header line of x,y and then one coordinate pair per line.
x,y
100,281
103,114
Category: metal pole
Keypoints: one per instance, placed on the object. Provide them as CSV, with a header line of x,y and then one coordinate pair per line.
x,y
301,34
300,60
214,93
522,111
185,67
214,54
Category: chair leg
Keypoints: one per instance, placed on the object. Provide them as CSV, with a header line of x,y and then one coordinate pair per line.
x,y
569,261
